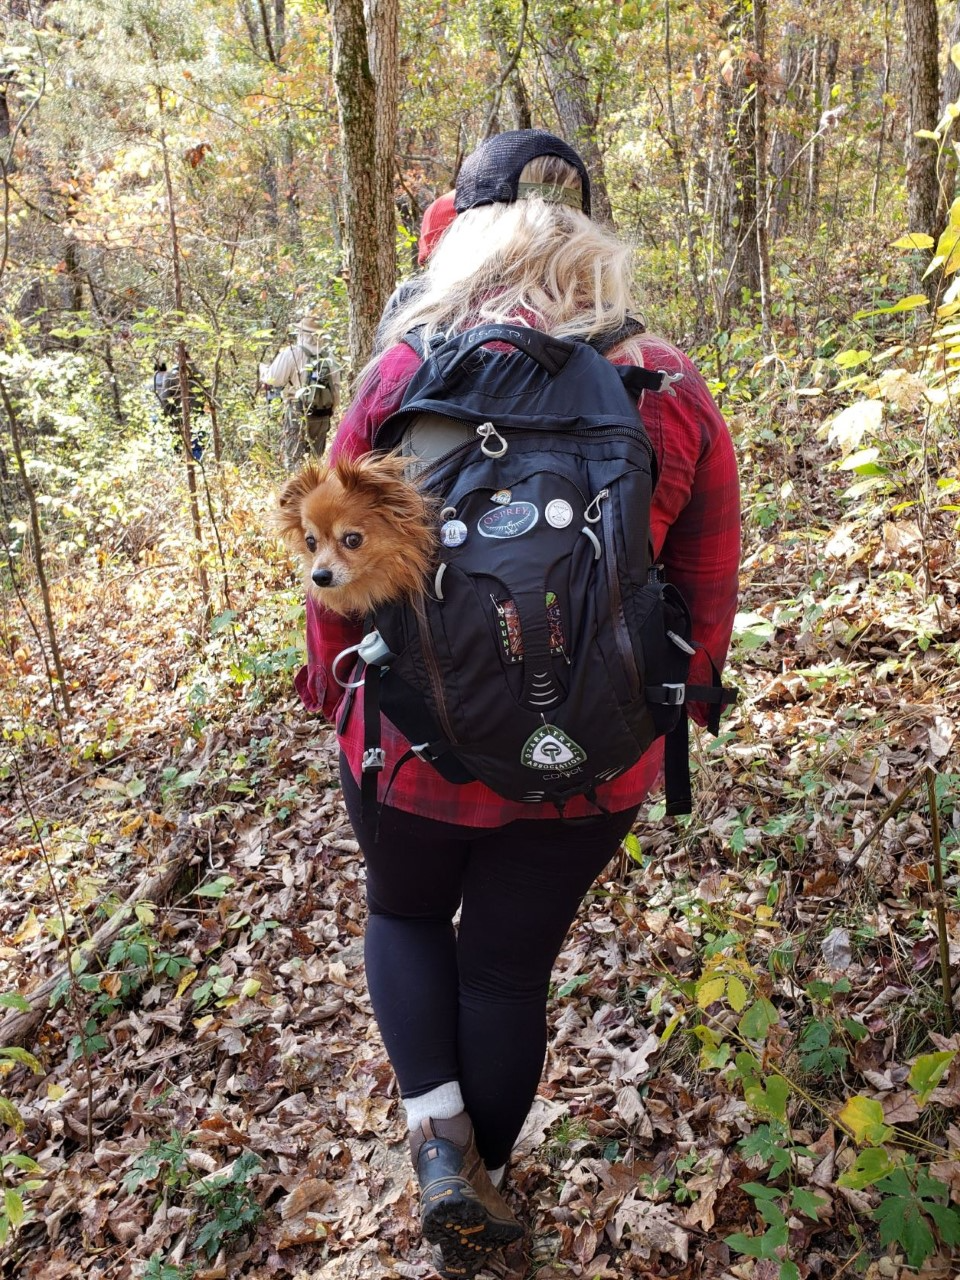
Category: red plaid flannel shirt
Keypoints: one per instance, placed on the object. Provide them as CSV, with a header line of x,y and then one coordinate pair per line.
x,y
695,528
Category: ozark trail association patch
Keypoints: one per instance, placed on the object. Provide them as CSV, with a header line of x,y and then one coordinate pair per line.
x,y
550,748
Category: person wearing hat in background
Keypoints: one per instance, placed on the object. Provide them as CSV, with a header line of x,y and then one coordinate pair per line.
x,y
462,1010
309,381
436,218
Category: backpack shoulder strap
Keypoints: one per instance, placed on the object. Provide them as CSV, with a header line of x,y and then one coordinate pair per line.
x,y
605,342
414,340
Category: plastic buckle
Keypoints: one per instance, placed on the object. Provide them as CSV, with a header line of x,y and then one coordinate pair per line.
x,y
374,760
373,649
676,695
422,752
667,380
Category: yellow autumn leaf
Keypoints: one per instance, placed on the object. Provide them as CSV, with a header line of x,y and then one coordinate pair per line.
x,y
55,1092
28,930
914,240
145,913
250,987
710,990
185,981
736,994
864,1119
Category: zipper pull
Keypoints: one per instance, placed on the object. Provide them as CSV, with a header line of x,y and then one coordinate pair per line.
x,y
592,519
487,433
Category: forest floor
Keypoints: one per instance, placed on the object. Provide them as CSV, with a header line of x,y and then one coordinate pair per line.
x,y
210,1097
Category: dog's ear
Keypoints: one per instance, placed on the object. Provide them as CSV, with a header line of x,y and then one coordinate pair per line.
x,y
297,487
285,517
370,470
382,475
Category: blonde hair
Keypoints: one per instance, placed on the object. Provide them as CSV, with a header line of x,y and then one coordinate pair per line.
x,y
535,261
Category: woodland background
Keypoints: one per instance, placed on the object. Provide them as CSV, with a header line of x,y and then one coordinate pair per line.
x,y
753,1069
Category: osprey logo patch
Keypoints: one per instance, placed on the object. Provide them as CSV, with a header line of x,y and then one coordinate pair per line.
x,y
509,521
550,748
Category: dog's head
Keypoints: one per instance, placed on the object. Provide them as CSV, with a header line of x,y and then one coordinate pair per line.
x,y
364,532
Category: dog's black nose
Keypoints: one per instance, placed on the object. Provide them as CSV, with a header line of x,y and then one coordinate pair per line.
x,y
322,577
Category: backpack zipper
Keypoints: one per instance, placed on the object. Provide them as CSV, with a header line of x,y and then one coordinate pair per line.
x,y
436,680
627,657
597,433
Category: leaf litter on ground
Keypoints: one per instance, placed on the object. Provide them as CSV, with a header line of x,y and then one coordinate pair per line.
x,y
247,1028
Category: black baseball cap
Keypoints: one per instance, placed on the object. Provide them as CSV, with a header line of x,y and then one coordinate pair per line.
x,y
491,175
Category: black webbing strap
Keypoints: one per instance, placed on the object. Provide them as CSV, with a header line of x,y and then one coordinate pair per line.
x,y
602,343
676,749
605,342
414,340
372,762
676,767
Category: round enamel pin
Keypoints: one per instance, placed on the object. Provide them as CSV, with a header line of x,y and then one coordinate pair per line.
x,y
502,496
453,533
558,513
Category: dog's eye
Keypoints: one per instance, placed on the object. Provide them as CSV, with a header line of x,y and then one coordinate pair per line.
x,y
352,540
311,542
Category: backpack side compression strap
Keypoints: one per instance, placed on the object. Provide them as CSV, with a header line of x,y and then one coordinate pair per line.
x,y
676,748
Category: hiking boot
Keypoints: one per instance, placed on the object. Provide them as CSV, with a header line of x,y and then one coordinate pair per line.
x,y
460,1209
454,1269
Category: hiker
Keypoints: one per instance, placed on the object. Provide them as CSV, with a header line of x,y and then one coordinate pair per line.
x,y
166,386
309,381
462,1010
436,218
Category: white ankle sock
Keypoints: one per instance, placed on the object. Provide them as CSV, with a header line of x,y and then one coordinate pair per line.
x,y
442,1103
496,1175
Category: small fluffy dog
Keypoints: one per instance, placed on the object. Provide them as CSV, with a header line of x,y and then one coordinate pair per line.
x,y
365,534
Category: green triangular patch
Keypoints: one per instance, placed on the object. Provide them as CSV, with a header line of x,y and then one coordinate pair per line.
x,y
550,748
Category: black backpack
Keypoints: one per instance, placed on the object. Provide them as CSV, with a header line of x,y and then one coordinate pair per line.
x,y
169,395
316,396
548,652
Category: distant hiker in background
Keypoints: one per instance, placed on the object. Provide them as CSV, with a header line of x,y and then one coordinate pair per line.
x,y
436,218
159,369
166,387
309,381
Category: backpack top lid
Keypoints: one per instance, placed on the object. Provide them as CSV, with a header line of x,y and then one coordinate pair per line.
x,y
539,383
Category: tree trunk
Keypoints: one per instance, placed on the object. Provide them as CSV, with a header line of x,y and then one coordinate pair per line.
x,y
383,45
497,29
884,108
784,145
576,107
676,150
182,364
37,546
825,54
923,100
760,165
366,77
949,92
739,193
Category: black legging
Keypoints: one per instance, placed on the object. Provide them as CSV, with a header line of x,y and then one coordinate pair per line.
x,y
469,1005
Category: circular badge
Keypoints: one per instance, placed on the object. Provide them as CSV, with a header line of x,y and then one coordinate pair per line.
x,y
453,533
558,513
510,521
